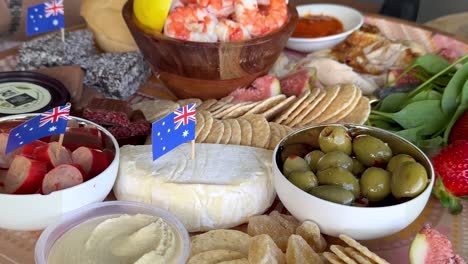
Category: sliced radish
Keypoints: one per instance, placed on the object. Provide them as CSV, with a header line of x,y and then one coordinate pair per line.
x,y
62,177
92,161
49,154
76,137
24,176
6,159
28,150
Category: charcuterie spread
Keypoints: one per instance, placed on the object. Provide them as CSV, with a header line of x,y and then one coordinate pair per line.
x,y
279,134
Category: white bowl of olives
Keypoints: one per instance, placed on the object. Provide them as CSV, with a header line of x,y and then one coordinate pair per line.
x,y
351,179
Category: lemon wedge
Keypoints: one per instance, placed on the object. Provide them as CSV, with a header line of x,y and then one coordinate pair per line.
x,y
152,13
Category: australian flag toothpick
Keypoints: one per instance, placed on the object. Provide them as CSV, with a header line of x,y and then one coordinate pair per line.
x,y
45,17
49,123
174,129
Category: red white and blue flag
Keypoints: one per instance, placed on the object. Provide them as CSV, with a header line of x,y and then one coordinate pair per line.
x,y
49,123
173,130
45,17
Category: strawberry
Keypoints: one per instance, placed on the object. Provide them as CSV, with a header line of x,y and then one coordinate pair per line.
x,y
451,168
460,129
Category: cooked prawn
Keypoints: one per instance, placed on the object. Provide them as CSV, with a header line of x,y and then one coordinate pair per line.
x,y
259,21
219,8
228,30
191,23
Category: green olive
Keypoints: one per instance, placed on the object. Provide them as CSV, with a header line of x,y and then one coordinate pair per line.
x,y
335,138
409,180
335,159
371,151
304,180
312,158
397,160
341,177
294,163
375,184
358,168
333,193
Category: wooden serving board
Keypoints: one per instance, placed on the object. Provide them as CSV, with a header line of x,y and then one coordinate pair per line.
x,y
18,247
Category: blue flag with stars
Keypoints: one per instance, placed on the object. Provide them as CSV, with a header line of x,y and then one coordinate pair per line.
x,y
173,130
45,17
49,123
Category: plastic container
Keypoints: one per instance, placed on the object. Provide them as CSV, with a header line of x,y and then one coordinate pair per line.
x,y
72,219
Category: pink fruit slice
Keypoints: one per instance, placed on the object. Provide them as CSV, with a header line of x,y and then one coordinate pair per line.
x,y
262,88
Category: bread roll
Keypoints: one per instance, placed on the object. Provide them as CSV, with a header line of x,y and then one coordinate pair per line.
x,y
104,18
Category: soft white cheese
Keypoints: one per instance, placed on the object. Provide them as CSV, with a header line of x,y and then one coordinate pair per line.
x,y
221,188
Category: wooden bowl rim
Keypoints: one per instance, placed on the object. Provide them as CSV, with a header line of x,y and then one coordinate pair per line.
x,y
127,13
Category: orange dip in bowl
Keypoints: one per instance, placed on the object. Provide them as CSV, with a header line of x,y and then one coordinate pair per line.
x,y
315,26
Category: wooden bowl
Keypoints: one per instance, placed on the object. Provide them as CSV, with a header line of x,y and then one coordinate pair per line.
x,y
209,70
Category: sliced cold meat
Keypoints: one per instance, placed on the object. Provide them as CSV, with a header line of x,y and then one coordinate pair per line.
x,y
6,159
53,154
62,177
92,161
296,83
24,176
261,89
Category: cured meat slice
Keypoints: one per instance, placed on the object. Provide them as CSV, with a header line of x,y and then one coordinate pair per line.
x,y
6,159
261,89
24,176
139,126
49,154
295,83
110,112
92,161
62,177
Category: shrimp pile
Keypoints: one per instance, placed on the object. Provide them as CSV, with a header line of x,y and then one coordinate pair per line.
x,y
224,20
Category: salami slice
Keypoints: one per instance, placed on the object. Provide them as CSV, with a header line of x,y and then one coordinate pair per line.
x,y
24,176
62,177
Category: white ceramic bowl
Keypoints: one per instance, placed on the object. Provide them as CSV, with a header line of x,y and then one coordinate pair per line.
x,y
36,211
362,223
54,231
349,17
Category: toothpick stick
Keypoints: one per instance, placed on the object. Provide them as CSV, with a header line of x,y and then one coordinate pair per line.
x,y
193,149
60,142
62,30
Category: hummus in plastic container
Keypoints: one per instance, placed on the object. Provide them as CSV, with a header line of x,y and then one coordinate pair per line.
x,y
113,233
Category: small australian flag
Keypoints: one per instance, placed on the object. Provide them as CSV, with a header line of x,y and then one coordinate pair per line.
x,y
45,17
49,123
173,130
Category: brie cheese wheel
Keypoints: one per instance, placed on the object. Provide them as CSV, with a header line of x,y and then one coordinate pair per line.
x,y
221,188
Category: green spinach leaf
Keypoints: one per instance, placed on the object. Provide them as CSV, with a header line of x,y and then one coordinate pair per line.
x,y
431,63
393,102
453,90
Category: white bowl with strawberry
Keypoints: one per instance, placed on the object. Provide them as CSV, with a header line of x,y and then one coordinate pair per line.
x,y
43,180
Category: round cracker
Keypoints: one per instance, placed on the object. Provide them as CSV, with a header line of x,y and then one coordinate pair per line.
x,y
275,135
206,104
360,113
280,107
356,255
220,239
266,104
227,132
232,107
347,110
332,92
364,250
246,132
343,99
339,251
200,123
236,261
260,130
196,101
216,133
283,130
215,256
216,114
283,116
206,128
308,109
313,94
154,110
240,110
236,132
332,258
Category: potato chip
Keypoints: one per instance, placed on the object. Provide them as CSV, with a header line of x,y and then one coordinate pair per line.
x,y
332,258
263,250
347,110
283,116
221,239
299,252
364,250
360,113
332,92
311,107
199,124
278,108
236,261
235,132
215,256
196,101
227,132
264,224
303,107
286,221
339,251
266,104
206,105
246,132
217,130
356,255
311,233
260,130
240,110
155,109
206,128
344,98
